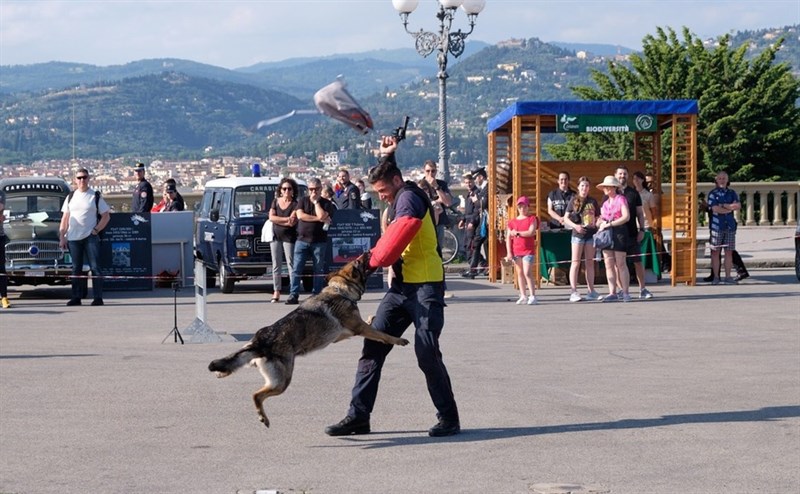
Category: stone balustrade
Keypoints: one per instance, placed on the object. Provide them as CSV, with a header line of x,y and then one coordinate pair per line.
x,y
763,203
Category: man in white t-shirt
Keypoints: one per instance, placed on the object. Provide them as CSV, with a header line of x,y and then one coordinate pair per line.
x,y
85,214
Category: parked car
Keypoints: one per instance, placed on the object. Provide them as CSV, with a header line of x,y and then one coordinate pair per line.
x,y
228,230
33,215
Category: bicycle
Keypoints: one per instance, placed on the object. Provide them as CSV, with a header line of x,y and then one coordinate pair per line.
x,y
451,246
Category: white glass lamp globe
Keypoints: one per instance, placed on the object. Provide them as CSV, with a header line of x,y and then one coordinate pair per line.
x,y
473,6
405,6
451,4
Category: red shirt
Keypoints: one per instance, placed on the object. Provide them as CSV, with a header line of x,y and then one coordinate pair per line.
x,y
523,246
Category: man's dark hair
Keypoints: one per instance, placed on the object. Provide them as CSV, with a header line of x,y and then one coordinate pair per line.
x,y
385,171
82,170
171,181
564,172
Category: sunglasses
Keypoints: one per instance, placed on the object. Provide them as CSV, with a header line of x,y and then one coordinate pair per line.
x,y
286,188
82,177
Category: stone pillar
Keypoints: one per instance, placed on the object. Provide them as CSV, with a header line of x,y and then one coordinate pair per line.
x,y
763,198
751,209
791,208
777,217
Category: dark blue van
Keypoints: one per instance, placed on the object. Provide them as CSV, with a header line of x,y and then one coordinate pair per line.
x,y
228,234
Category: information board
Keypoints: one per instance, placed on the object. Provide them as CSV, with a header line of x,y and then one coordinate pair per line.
x,y
126,252
353,232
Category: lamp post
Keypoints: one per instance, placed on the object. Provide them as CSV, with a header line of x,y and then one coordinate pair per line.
x,y
445,41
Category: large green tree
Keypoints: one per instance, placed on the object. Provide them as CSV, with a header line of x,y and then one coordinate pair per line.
x,y
749,121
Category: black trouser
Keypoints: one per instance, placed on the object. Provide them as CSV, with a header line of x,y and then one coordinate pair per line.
x,y
421,304
477,257
3,277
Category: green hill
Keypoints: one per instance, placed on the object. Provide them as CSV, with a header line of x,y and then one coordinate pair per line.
x,y
182,109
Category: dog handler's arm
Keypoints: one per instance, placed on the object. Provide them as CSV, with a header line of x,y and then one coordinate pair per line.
x,y
394,241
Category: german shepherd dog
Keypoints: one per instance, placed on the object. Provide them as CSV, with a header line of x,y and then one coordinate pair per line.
x,y
320,320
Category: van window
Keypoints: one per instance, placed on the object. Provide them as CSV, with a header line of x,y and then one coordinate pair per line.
x,y
222,201
208,198
258,199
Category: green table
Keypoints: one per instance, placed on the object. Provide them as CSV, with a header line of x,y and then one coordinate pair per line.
x,y
555,250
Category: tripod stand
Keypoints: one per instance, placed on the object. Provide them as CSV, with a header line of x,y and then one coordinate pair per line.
x,y
175,288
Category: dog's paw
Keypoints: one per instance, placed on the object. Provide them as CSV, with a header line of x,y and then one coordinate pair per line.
x,y
402,342
263,419
370,319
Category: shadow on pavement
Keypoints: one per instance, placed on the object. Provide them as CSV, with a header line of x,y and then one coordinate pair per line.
x,y
494,433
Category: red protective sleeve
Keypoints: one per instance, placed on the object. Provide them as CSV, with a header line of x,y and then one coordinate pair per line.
x,y
394,241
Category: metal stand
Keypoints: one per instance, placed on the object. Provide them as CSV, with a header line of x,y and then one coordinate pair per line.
x,y
175,288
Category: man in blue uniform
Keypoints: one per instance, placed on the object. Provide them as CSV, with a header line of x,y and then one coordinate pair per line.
x,y
347,194
143,194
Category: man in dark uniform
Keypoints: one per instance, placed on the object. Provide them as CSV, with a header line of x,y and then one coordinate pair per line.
x,y
143,193
3,279
480,201
416,297
347,195
471,216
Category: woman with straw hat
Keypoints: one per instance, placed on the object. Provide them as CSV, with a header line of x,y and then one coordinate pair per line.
x,y
614,214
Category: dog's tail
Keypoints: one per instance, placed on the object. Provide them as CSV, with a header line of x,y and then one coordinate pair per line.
x,y
227,365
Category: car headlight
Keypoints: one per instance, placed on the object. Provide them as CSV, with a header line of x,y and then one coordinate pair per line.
x,y
242,243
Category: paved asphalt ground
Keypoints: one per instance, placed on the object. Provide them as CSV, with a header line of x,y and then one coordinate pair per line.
x,y
695,391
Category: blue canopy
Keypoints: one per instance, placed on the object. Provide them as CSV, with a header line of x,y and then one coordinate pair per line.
x,y
631,107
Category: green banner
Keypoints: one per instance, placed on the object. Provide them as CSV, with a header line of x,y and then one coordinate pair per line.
x,y
606,123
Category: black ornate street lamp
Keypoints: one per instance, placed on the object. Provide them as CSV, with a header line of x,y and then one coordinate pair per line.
x,y
444,42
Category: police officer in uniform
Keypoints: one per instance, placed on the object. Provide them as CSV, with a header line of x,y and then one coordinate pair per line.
x,y
347,195
143,194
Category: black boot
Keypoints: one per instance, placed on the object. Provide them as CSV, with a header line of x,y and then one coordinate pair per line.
x,y
347,426
445,428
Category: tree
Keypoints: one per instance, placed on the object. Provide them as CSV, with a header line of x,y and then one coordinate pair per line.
x,y
749,121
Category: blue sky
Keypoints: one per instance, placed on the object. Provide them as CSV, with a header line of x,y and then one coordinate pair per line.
x,y
237,33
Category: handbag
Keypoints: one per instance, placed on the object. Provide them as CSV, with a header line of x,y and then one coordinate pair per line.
x,y
602,239
483,226
267,233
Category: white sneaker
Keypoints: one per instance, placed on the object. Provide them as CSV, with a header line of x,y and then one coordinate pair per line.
x,y
532,300
521,300
574,297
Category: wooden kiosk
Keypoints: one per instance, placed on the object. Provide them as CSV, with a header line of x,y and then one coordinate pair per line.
x,y
515,166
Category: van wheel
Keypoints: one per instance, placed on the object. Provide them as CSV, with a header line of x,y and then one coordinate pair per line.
x,y
211,278
225,281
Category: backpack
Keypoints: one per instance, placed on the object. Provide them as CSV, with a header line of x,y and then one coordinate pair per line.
x,y
96,208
